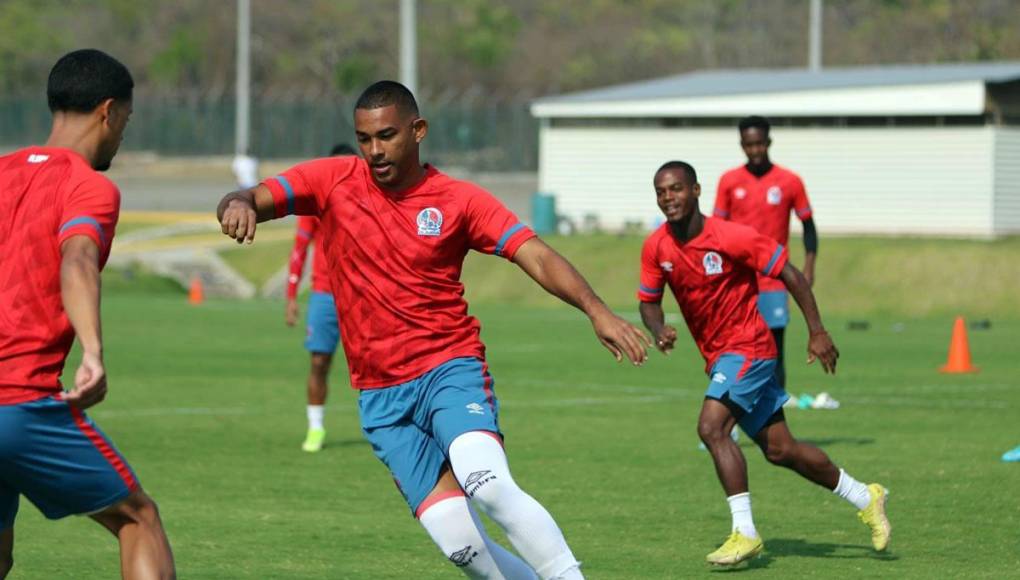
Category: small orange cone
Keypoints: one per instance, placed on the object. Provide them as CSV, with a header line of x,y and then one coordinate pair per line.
x,y
959,351
195,294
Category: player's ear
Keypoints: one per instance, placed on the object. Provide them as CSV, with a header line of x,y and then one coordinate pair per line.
x,y
420,127
105,111
696,190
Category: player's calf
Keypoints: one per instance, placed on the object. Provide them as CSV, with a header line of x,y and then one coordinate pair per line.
x,y
6,552
145,550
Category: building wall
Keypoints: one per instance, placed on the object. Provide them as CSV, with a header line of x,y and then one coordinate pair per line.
x,y
1007,181
888,180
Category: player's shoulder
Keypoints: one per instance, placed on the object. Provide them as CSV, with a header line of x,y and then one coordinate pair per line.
x,y
733,174
656,237
725,230
335,168
786,173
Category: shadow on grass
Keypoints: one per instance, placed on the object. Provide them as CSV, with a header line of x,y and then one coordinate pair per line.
x,y
343,443
780,547
826,441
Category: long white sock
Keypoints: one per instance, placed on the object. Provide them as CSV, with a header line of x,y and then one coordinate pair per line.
x,y
852,490
480,465
315,415
456,529
740,509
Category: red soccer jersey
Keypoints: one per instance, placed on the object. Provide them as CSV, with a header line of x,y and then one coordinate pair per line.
x,y
714,280
47,195
304,239
394,262
764,203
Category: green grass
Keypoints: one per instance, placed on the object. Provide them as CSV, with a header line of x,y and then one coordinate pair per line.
x,y
207,403
857,277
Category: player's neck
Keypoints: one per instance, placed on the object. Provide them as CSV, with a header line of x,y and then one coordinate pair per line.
x,y
689,227
416,176
74,132
759,170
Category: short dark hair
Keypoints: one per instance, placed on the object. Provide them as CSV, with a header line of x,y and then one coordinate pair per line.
x,y
83,79
386,93
687,168
342,149
755,122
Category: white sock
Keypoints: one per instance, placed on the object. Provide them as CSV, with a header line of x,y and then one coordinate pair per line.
x,y
852,490
740,509
315,415
480,465
456,529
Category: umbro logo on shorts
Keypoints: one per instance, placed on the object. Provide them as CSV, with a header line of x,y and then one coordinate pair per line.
x,y
475,409
718,378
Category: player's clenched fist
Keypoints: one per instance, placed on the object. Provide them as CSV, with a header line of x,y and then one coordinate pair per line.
x,y
666,339
238,218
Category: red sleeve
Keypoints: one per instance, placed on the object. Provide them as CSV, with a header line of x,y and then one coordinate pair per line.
x,y
492,228
760,253
722,199
652,281
306,228
91,208
801,205
303,189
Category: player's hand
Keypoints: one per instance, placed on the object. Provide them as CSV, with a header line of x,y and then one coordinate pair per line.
x,y
666,339
820,347
292,312
621,337
89,383
239,220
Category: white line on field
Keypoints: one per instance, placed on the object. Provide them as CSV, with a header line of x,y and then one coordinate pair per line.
x,y
167,411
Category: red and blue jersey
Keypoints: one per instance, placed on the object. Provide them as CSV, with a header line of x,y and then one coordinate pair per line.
x,y
764,203
47,195
304,239
394,262
714,279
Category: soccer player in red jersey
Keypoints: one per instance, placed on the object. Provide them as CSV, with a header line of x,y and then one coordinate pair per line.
x,y
57,218
323,331
712,267
394,235
762,195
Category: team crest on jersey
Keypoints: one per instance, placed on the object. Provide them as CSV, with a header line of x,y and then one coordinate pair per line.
x,y
774,195
430,222
712,263
740,193
666,266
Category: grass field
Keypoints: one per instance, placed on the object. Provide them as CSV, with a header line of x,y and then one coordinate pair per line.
x,y
207,404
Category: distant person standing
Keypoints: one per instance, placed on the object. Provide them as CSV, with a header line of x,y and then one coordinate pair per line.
x,y
761,194
323,328
246,170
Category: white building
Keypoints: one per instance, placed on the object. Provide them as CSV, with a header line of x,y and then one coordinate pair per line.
x,y
923,149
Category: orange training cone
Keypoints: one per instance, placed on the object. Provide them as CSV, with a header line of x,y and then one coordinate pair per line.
x,y
195,293
959,351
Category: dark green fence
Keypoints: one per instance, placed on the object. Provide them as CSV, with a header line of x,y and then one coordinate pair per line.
x,y
474,133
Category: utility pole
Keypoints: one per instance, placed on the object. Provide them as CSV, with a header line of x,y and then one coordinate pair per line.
x,y
409,45
815,38
242,109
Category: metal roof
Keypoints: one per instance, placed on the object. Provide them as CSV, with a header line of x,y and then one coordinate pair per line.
x,y
757,81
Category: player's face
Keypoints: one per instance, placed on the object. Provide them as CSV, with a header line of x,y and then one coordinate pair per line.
x,y
389,141
676,197
755,144
116,115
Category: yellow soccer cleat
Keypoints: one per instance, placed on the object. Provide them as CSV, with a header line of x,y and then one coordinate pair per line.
x,y
735,550
874,517
313,441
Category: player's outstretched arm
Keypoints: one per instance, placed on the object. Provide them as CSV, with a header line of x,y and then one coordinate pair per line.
x,y
655,321
79,291
559,278
238,212
820,344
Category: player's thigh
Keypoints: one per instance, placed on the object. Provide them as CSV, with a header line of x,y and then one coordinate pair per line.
x,y
323,330
64,464
460,398
747,385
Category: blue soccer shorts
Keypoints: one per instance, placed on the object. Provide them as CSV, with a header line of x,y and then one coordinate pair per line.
x,y
748,387
774,307
58,458
323,327
411,425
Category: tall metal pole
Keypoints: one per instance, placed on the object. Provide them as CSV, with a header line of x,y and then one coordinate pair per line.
x,y
242,119
815,40
409,45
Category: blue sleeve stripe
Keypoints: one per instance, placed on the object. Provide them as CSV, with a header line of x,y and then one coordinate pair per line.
x,y
506,237
648,290
801,212
775,258
722,213
304,234
289,191
84,220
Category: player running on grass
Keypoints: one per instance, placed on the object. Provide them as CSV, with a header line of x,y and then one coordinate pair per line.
x,y
711,266
395,234
323,331
57,218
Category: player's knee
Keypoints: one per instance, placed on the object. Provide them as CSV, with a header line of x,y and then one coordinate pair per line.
x,y
138,509
782,455
321,364
711,432
493,492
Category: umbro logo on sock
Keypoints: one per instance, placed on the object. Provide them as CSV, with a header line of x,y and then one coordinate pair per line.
x,y
476,480
462,558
